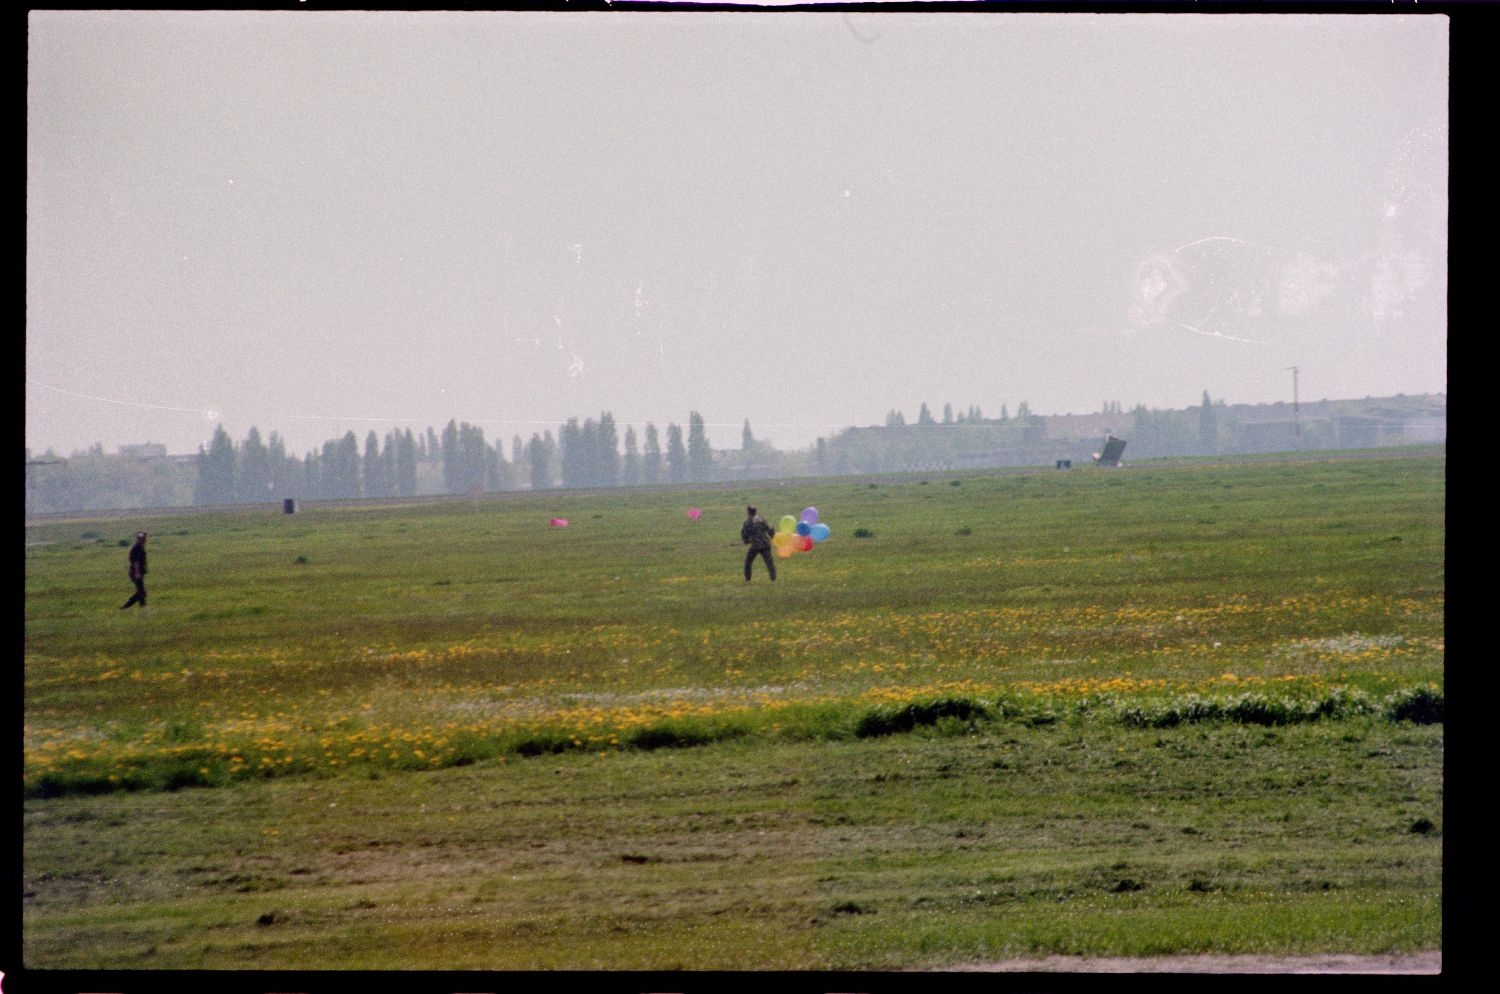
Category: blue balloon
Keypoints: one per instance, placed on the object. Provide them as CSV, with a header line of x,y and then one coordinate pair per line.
x,y
820,533
803,528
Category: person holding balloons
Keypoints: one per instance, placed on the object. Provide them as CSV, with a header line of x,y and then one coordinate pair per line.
x,y
757,534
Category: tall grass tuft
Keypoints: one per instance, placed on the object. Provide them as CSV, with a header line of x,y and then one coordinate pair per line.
x,y
885,721
1422,705
679,734
1249,709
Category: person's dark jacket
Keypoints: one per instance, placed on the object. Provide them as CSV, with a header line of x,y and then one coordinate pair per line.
x,y
137,561
756,533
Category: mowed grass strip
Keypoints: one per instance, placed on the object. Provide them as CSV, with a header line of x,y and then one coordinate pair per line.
x,y
360,653
938,847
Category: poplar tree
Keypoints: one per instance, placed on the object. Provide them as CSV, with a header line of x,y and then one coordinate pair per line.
x,y
477,458
700,454
570,444
312,474
589,460
372,473
215,470
630,473
280,468
1208,428
346,467
449,452
494,472
651,461
677,456
328,470
253,473
406,465
608,447
388,447
539,456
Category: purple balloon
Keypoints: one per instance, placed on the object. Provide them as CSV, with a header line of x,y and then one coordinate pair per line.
x,y
810,515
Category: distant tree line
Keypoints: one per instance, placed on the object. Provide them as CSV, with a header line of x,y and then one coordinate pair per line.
x,y
593,453
459,461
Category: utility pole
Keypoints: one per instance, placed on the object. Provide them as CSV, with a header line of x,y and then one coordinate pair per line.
x,y
1296,408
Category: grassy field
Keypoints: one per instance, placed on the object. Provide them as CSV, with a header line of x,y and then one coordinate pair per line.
x,y
1166,709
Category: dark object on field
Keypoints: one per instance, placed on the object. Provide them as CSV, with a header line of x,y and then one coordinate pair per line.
x,y
1065,464
851,908
289,506
137,569
1113,447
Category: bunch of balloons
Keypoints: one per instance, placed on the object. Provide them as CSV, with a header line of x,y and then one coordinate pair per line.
x,y
794,535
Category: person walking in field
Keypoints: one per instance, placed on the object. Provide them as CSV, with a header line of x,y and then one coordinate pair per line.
x,y
137,571
757,534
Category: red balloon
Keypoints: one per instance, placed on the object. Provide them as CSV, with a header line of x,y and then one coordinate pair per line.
x,y
805,543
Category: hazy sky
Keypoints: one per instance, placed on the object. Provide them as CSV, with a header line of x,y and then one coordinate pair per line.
x,y
315,222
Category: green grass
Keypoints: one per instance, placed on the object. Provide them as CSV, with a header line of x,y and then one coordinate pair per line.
x,y
873,854
1167,709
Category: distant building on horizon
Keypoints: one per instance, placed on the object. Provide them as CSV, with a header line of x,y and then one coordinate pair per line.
x,y
145,450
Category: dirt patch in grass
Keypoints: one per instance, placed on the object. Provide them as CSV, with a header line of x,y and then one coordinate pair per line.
x,y
1332,963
